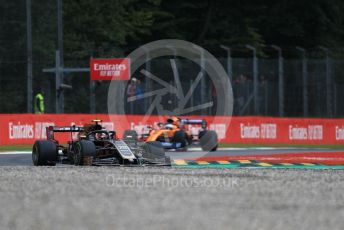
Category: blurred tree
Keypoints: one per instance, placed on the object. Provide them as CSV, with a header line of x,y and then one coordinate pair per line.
x,y
302,22
102,28
112,28
12,57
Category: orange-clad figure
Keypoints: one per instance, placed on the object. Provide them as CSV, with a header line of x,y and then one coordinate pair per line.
x,y
167,131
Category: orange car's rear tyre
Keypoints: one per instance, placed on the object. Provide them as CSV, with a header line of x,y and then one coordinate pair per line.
x,y
208,140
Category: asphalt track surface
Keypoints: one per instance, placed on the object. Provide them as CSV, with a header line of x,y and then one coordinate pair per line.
x,y
24,158
70,197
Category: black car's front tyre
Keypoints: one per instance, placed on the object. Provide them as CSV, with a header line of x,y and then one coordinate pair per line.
x,y
83,148
44,153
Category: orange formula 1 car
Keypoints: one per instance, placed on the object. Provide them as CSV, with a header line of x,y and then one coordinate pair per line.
x,y
177,134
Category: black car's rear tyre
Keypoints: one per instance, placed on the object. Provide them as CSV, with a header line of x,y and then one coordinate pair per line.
x,y
208,140
44,153
82,149
181,137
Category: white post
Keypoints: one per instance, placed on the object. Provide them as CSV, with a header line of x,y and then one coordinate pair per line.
x,y
328,82
29,56
255,79
304,81
229,61
280,81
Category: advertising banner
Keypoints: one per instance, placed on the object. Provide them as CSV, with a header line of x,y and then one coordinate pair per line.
x,y
26,128
110,69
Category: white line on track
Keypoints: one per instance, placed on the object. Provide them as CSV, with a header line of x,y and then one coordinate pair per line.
x,y
15,152
247,148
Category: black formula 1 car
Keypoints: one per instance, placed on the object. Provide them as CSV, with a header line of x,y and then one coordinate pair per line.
x,y
93,145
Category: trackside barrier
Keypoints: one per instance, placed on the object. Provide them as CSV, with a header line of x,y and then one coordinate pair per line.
x,y
26,128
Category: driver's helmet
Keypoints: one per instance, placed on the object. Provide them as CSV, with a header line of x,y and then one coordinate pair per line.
x,y
174,121
169,126
92,127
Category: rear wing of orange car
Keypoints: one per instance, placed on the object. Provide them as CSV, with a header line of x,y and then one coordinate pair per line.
x,y
201,122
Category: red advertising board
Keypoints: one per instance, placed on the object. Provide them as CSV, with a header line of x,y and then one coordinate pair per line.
x,y
26,128
110,69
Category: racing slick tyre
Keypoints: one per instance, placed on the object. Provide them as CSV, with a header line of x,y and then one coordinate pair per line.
x,y
44,153
153,151
82,149
130,135
180,137
208,140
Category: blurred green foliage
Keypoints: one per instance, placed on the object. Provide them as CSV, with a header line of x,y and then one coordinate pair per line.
x,y
113,28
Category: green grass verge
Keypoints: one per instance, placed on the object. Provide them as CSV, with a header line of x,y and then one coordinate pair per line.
x,y
4,148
